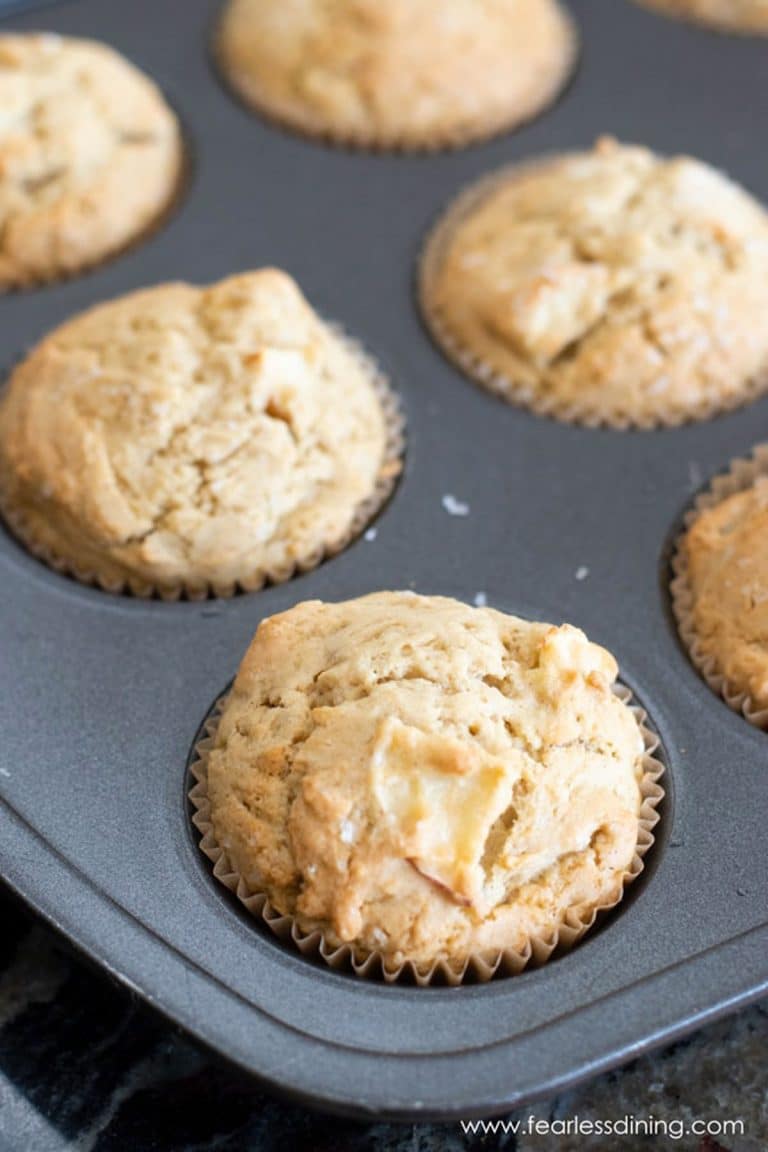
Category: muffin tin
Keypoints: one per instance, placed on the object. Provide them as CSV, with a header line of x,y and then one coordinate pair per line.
x,y
102,697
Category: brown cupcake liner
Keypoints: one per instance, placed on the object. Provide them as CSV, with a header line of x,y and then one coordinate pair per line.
x,y
478,968
518,392
741,474
23,527
285,115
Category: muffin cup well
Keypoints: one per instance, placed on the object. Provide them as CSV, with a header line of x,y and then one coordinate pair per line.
x,y
741,474
109,579
285,115
517,392
478,968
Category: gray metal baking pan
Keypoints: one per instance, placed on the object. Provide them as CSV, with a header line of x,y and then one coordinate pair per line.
x,y
101,697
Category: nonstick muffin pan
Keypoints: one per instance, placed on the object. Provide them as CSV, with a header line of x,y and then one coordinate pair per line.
x,y
102,697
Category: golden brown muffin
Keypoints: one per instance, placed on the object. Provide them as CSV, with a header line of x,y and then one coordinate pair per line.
x,y
725,553
748,16
186,438
426,781
405,73
611,287
90,156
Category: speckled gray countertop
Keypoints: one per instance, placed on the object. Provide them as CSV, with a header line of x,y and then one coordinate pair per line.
x,y
86,1068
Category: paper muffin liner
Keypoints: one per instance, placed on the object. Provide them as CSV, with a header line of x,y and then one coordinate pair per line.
x,y
478,968
23,527
584,411
287,116
741,474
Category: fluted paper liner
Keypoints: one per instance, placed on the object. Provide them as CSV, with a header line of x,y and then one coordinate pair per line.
x,y
391,466
741,474
477,968
287,116
580,411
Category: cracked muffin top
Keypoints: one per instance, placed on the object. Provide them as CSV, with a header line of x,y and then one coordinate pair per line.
x,y
408,73
90,156
191,437
726,550
728,15
612,286
426,780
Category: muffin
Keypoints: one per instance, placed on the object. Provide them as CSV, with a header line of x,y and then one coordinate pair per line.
x,y
90,156
750,16
412,779
608,287
185,439
404,74
720,591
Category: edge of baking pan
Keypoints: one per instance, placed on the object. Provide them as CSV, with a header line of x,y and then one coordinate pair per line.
x,y
481,1082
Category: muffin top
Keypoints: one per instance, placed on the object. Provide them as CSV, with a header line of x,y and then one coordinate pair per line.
x,y
610,286
188,435
730,15
405,72
423,779
727,553
90,155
